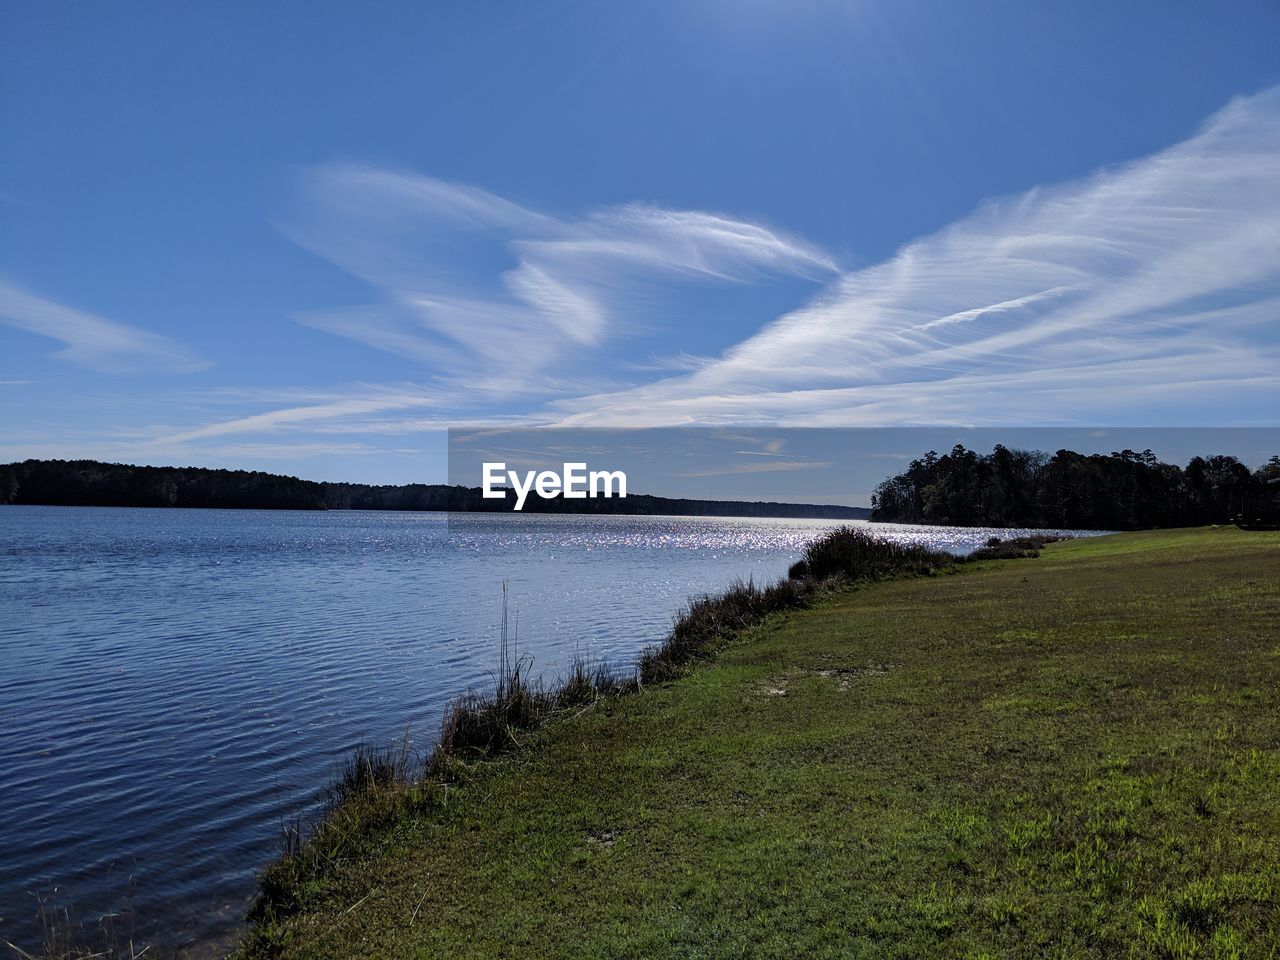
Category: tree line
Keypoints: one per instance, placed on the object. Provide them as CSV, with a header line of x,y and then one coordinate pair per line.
x,y
1124,490
97,484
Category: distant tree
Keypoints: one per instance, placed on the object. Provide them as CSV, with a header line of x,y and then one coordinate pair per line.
x,y
1126,490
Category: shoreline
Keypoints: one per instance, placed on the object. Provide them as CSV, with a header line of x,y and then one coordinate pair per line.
x,y
394,814
378,785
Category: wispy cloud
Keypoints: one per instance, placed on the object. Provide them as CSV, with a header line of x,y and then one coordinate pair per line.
x,y
1111,297
159,454
328,412
93,341
773,466
1143,293
479,288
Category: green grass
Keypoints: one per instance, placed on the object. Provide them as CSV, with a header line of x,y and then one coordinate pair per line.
x,y
1070,756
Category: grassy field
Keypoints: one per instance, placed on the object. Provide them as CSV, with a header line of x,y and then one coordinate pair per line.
x,y
1070,756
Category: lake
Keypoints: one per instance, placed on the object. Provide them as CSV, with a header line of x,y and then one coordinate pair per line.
x,y
177,684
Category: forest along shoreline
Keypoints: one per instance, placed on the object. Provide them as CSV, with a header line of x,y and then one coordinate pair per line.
x,y
938,763
1124,490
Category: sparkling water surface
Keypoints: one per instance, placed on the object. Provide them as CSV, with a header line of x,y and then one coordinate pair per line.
x,y
176,684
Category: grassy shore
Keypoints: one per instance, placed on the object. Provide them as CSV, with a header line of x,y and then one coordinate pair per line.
x,y
1075,755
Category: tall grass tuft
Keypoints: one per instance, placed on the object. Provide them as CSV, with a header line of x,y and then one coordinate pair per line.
x,y
476,725
372,787
588,681
371,769
479,725
857,556
708,622
1016,549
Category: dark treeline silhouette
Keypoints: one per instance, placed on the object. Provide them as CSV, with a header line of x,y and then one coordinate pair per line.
x,y
92,483
1120,491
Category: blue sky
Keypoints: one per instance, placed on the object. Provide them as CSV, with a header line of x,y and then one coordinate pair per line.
x,y
309,237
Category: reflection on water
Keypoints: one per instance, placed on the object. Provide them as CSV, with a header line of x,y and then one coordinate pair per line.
x,y
176,683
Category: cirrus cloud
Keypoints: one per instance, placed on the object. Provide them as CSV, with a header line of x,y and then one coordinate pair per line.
x,y
92,341
1154,282
478,287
